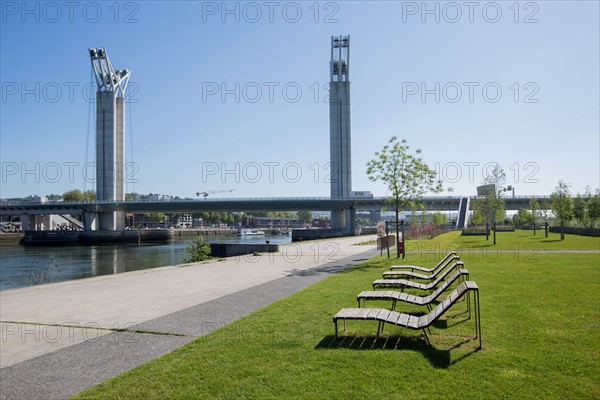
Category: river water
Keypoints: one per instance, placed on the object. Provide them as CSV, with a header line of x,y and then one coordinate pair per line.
x,y
22,266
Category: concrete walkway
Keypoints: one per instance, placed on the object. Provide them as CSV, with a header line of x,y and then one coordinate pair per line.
x,y
60,338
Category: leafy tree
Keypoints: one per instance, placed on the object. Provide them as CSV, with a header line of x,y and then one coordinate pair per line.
x,y
362,221
89,195
477,218
198,250
305,216
534,206
579,209
413,218
439,219
158,217
593,209
491,205
523,217
73,195
562,205
406,175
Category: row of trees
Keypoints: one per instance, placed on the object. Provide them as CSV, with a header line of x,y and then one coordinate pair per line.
x,y
584,210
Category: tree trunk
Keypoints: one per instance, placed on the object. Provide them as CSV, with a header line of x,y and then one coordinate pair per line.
x,y
562,230
397,232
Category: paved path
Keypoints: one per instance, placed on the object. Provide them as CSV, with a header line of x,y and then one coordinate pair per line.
x,y
59,339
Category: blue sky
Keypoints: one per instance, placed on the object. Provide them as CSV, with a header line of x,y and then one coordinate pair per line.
x,y
498,83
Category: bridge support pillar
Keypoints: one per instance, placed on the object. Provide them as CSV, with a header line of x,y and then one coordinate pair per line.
x,y
343,220
24,222
89,220
111,221
338,219
34,223
351,218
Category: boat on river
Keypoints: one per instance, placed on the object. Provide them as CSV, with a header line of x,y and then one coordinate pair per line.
x,y
249,232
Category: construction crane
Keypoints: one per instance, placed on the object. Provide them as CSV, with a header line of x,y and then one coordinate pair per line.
x,y
205,194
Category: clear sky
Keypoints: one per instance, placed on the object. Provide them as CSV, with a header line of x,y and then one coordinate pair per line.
x,y
233,95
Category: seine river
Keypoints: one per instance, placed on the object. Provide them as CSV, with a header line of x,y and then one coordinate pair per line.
x,y
26,266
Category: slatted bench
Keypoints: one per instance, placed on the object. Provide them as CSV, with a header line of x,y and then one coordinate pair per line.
x,y
458,275
423,269
415,275
383,316
405,283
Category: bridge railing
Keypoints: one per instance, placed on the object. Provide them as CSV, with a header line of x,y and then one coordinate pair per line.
x,y
239,199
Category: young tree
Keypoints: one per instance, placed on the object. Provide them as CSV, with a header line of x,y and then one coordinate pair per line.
x,y
198,250
477,218
562,205
73,195
593,210
579,209
89,195
534,206
406,175
156,217
491,205
523,217
305,216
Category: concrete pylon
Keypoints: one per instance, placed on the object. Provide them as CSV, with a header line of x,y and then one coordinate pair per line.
x,y
110,136
340,129
110,156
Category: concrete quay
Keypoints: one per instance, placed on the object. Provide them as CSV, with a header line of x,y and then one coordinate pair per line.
x,y
61,338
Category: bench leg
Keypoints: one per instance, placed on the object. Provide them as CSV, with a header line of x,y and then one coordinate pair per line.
x,y
478,316
469,304
336,328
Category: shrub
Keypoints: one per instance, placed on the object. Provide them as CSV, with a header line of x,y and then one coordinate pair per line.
x,y
198,250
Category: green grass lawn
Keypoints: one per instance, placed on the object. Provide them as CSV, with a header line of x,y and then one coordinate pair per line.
x,y
520,240
540,320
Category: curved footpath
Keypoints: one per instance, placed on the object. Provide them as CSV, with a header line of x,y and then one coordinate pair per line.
x,y
61,338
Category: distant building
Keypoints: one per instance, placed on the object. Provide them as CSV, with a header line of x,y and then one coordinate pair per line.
x,y
266,222
159,197
321,223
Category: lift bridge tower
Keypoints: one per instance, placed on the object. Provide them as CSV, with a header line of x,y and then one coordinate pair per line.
x,y
340,129
110,136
